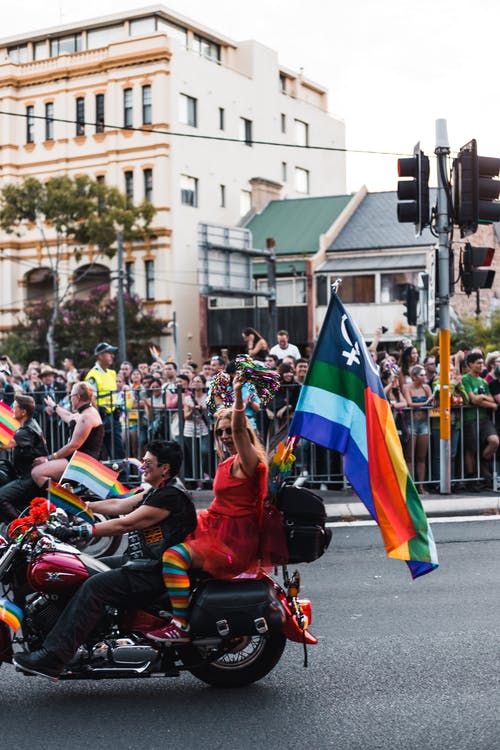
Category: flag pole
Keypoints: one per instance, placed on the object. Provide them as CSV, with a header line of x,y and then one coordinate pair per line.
x,y
335,285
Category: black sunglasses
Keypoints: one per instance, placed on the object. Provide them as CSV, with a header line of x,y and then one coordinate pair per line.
x,y
220,432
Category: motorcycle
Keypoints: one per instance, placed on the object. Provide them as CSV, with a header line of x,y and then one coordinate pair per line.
x,y
239,627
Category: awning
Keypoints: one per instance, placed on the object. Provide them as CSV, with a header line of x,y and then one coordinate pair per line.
x,y
373,263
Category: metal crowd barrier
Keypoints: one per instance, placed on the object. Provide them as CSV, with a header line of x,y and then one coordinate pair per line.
x,y
319,467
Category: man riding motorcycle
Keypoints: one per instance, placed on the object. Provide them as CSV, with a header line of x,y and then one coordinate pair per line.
x,y
154,520
27,443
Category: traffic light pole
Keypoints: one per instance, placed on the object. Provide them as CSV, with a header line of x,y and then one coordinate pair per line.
x,y
443,228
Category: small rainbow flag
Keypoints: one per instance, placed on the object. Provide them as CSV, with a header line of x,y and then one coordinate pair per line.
x,y
68,501
91,473
10,613
118,490
8,424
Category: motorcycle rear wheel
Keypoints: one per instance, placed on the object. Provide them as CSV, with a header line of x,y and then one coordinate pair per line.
x,y
251,660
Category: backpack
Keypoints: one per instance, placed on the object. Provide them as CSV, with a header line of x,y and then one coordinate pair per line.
x,y
304,518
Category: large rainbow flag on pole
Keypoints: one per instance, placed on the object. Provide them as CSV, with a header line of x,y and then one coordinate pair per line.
x,y
342,406
91,473
8,424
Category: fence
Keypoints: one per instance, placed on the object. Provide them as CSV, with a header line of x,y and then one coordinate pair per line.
x,y
320,467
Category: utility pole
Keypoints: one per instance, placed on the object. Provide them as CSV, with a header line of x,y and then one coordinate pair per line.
x,y
271,304
443,293
122,341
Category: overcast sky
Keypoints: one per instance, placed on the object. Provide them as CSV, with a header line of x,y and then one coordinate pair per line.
x,y
392,67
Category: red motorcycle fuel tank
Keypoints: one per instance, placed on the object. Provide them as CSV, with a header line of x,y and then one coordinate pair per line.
x,y
56,571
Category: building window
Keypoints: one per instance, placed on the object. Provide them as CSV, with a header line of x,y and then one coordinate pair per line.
x,y
301,180
246,131
283,171
148,185
66,45
18,54
129,185
222,196
222,118
290,292
127,108
206,48
149,271
40,50
282,83
176,32
189,191
80,116
147,105
301,133
30,124
283,123
99,113
358,289
245,202
393,285
49,121
104,36
188,113
130,277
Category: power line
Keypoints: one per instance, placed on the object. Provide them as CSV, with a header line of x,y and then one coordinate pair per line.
x,y
200,136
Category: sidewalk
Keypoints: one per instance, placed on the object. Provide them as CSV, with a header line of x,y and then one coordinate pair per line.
x,y
346,506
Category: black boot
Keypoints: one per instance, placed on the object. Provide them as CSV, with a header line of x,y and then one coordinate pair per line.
x,y
39,662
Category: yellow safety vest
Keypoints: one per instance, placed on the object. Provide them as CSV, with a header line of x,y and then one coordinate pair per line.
x,y
105,381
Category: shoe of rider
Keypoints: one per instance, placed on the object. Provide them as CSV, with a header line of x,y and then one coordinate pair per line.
x,y
171,633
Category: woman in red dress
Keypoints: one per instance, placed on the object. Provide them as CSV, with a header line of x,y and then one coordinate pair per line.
x,y
226,540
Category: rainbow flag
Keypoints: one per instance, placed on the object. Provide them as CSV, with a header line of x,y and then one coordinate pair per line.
x,y
118,490
63,498
342,406
8,424
91,473
10,613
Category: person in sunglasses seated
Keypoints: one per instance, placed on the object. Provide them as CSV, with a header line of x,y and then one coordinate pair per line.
x,y
226,540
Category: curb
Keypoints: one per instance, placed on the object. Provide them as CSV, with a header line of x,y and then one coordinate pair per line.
x,y
434,508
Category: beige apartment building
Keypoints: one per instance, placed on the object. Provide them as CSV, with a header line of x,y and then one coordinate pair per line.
x,y
166,110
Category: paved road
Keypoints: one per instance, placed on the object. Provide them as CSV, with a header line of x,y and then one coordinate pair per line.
x,y
399,664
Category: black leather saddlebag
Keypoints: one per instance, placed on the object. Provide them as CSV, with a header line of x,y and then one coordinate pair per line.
x,y
234,608
304,517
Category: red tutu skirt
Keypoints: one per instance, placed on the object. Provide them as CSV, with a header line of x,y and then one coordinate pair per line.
x,y
227,546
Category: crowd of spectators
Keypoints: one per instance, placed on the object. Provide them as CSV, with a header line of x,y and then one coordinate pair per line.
x,y
165,399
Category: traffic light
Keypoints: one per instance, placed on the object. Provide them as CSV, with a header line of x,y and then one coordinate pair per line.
x,y
476,189
474,270
415,192
410,303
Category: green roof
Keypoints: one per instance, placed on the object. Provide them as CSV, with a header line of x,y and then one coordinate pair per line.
x,y
296,224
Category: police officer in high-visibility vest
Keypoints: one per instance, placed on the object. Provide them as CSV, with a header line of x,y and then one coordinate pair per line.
x,y
103,380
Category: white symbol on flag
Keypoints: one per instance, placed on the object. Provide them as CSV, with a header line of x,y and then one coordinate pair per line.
x,y
354,354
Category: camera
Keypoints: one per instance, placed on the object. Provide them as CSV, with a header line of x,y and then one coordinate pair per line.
x,y
384,329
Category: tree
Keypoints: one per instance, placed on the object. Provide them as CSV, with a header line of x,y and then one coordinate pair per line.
x,y
77,324
67,211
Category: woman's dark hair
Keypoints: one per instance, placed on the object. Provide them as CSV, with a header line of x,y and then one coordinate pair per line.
x,y
27,403
404,359
249,331
284,368
155,380
167,452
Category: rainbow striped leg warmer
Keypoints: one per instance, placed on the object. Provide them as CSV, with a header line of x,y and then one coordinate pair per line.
x,y
176,562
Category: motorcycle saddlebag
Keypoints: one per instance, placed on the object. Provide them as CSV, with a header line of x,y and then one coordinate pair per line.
x,y
304,517
234,608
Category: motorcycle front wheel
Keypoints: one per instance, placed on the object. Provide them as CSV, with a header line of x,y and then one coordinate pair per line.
x,y
250,660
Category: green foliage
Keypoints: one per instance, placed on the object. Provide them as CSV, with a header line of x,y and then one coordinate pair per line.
x,y
74,211
474,332
81,324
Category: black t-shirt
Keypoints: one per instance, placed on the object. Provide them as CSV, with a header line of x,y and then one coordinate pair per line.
x,y
150,543
495,390
30,444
